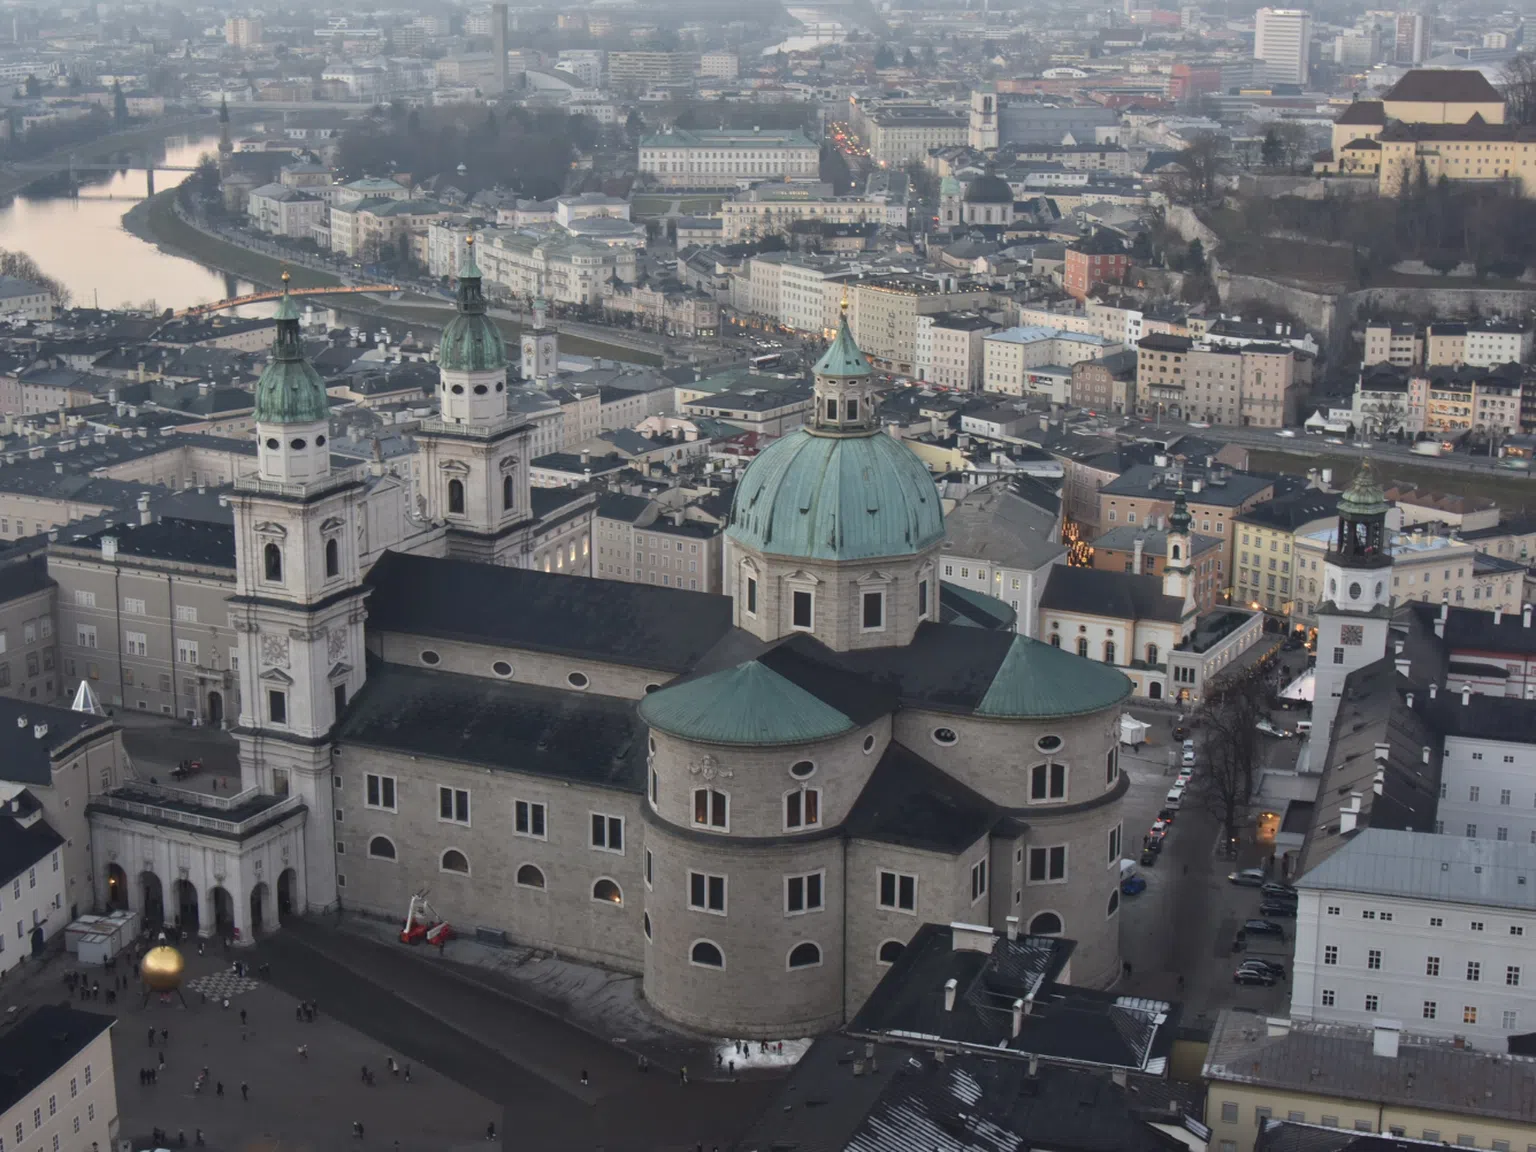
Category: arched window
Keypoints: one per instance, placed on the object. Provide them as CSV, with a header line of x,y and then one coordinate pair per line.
x,y
455,861
889,951
272,558
706,954
1045,924
1114,902
332,558
381,848
1055,639
1175,551
1152,654
506,492
456,497
805,955
1109,651
529,876
1082,646
607,891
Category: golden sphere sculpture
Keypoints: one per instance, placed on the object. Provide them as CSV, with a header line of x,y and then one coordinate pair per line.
x,y
162,968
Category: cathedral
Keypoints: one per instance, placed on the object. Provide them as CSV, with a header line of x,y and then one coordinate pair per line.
x,y
750,800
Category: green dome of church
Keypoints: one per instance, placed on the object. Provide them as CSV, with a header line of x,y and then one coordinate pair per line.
x,y
1364,496
290,391
837,498
471,341
843,357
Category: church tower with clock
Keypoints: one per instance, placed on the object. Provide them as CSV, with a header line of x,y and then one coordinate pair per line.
x,y
1356,610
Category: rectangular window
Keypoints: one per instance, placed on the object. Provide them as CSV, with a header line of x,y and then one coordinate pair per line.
x,y
802,808
751,595
1430,1009
898,891
1373,959
528,819
706,893
803,893
1474,970
1327,997
922,597
85,635
1432,966
1469,1014
1047,864
135,644
186,614
1331,954
711,809
277,703
1228,1112
1511,1018
608,833
84,599
874,611
134,607
1512,975
453,805
803,609
1372,1003
1114,843
978,880
379,791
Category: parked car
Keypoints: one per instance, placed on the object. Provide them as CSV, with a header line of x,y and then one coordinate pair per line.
x,y
1180,732
1166,816
1185,776
1189,745
1284,909
1247,878
1188,759
1263,928
1133,885
1273,891
1275,970
1253,976
1269,728
1149,855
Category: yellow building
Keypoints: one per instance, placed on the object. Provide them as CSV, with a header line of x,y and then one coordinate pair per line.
x,y
1443,96
1472,151
1361,1078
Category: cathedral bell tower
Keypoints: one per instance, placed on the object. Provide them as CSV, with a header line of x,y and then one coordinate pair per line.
x,y
297,608
1178,571
472,461
541,349
1355,613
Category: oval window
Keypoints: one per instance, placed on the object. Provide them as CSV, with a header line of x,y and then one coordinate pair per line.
x,y
652,743
480,389
1048,743
274,443
499,387
457,389
1354,591
1379,587
800,769
649,688
430,657
945,736
577,680
645,917
296,443
320,441
501,668
869,745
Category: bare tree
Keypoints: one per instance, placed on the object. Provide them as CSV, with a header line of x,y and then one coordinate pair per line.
x,y
1196,179
1519,84
1230,744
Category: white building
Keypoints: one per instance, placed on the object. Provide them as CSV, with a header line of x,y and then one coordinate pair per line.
x,y
1488,766
802,297
1498,342
950,348
1282,40
1001,545
586,64
531,262
32,878
1432,931
25,299
61,1091
1008,355
283,211
719,65
711,158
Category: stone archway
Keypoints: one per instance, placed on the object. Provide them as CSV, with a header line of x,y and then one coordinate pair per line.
x,y
287,894
117,889
184,900
261,899
215,709
1156,692
153,894
223,912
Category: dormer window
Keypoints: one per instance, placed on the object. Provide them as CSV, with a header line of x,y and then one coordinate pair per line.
x,y
831,409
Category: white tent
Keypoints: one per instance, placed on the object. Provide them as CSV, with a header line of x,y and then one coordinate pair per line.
x,y
86,701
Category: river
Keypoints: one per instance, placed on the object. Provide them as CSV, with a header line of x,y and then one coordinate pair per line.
x,y
80,241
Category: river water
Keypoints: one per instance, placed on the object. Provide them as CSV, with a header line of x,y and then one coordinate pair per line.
x,y
80,241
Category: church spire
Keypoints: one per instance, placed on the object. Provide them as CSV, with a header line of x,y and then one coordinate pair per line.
x,y
845,385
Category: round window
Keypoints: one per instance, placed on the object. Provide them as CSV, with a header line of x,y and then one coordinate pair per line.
x,y
800,769
577,680
430,657
501,668
1355,591
273,442
1048,743
945,736
869,745
457,389
480,389
296,443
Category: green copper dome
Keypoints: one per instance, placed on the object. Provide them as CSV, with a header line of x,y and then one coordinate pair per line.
x,y
290,391
837,498
471,341
843,358
747,704
1040,680
1364,496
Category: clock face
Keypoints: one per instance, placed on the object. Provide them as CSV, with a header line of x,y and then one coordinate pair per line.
x,y
1354,591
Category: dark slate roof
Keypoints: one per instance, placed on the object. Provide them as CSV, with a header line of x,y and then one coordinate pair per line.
x,y
24,757
1363,112
909,802
1223,490
23,845
1291,512
1121,595
619,506
42,1042
499,724
1468,630
25,577
1444,85
1490,717
204,542
638,625
1064,1022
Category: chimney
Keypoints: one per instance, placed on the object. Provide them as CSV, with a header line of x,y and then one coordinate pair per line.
x,y
1018,1016
1466,695
1034,1065
39,731
1498,615
1408,699
1425,753
971,938
1136,556
1013,927
1526,616
21,721
109,548
949,993
1445,609
1349,816
1277,1026
1384,1037
145,515
1434,689
1403,665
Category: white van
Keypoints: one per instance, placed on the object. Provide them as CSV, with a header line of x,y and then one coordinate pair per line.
x,y
1303,727
1174,799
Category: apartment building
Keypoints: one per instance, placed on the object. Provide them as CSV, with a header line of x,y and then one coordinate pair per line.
x,y
773,209
719,65
1144,551
1273,378
62,1091
1098,259
370,229
1106,385
1463,397
1144,494
1401,345
1010,354
711,158
1262,576
1257,385
950,349
639,541
635,71
1282,44
1487,765
897,136
802,292
884,315
28,648
531,262
279,210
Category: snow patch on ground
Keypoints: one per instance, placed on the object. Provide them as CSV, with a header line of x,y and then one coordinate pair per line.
x,y
751,1053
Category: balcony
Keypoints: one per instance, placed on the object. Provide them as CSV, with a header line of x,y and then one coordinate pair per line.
x,y
234,816
254,483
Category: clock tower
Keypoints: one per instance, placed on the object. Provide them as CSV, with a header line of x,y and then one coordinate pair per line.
x,y
1355,613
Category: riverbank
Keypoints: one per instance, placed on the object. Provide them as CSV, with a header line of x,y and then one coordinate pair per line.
x,y
155,220
104,147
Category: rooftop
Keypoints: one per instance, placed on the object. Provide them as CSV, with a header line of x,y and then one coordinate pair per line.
x,y
41,1043
1432,867
1444,86
30,733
